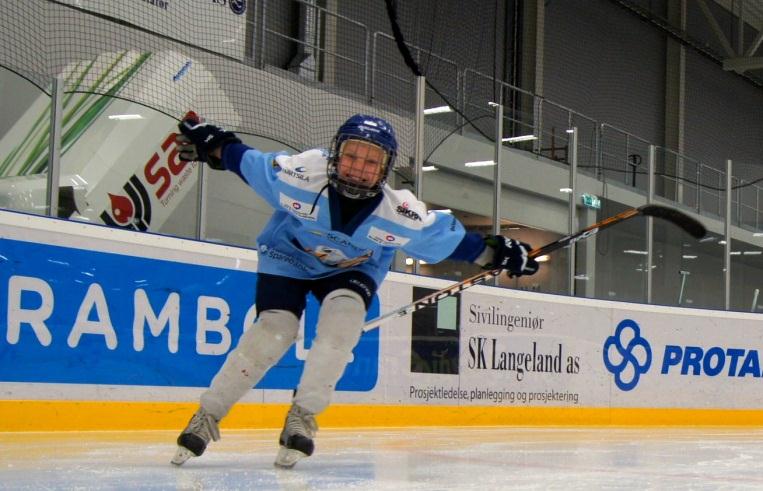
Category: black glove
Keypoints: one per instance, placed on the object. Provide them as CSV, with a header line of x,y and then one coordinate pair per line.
x,y
511,255
197,140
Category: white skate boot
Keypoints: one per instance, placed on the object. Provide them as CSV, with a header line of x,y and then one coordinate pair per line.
x,y
296,438
194,439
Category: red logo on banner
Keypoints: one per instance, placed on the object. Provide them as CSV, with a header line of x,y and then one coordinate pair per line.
x,y
121,209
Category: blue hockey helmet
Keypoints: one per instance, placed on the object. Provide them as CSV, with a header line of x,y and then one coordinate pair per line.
x,y
365,128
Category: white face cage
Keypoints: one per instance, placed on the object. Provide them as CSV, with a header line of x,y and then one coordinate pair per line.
x,y
358,168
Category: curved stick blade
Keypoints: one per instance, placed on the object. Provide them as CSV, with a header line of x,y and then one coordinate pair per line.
x,y
678,218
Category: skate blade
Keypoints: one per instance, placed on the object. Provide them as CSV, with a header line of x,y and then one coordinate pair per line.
x,y
181,455
287,457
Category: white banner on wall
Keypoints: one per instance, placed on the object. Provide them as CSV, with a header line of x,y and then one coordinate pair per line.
x,y
215,25
516,348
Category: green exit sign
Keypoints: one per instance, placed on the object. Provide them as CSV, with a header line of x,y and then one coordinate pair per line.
x,y
591,201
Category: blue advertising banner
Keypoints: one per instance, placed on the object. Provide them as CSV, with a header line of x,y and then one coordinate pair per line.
x,y
87,317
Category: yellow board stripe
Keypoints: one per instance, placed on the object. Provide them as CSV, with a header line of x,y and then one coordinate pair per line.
x,y
109,415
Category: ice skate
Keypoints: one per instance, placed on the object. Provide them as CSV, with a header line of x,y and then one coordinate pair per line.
x,y
194,439
296,438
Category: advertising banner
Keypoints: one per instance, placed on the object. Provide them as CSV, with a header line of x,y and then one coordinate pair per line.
x,y
119,162
81,316
511,348
93,306
215,25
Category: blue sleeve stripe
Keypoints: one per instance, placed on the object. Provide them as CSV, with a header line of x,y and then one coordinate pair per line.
x,y
232,155
470,247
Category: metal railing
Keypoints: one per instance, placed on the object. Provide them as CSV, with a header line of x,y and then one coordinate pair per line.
x,y
609,153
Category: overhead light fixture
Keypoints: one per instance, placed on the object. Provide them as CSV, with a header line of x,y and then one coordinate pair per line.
x,y
445,210
543,259
721,242
753,253
480,163
438,110
521,138
633,251
429,168
707,239
689,256
570,130
758,234
125,117
735,253
409,261
565,190
582,277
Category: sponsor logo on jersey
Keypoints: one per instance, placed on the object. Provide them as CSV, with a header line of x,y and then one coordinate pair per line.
x,y
404,210
297,208
386,238
331,256
277,255
341,240
296,173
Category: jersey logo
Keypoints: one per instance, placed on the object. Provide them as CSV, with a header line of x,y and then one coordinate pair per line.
x,y
334,257
297,173
404,210
386,238
297,208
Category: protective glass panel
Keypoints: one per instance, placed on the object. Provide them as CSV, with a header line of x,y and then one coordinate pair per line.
x,y
24,142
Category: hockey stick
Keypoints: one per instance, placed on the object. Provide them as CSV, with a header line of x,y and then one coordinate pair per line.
x,y
678,218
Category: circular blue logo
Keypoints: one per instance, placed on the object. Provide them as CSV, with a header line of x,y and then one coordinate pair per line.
x,y
237,6
627,362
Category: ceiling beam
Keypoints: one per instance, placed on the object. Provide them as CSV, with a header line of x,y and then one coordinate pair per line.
x,y
717,29
742,64
755,44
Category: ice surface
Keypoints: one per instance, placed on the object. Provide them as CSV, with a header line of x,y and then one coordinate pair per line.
x,y
393,459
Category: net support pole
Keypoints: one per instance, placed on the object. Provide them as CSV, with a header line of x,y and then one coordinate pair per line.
x,y
54,146
418,156
754,306
727,238
683,274
497,183
201,203
650,222
572,215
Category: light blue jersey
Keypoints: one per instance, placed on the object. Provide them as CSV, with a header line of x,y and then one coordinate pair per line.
x,y
305,238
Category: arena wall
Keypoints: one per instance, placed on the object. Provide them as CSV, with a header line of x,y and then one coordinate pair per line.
x,y
106,328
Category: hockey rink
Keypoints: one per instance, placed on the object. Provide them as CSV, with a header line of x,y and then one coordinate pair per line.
x,y
401,458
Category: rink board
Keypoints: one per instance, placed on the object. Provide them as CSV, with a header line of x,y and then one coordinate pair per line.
x,y
112,329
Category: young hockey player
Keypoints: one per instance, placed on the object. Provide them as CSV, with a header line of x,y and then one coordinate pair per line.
x,y
334,232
